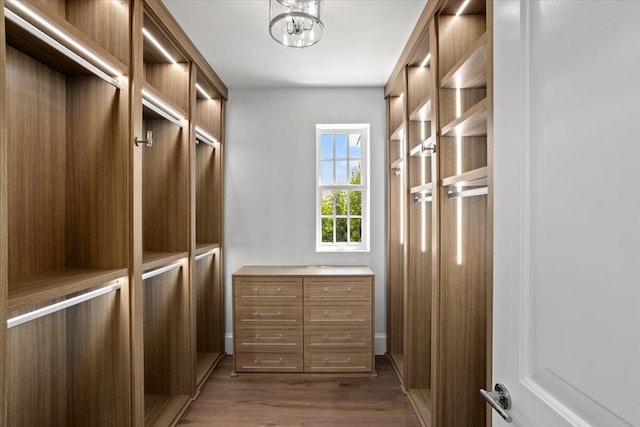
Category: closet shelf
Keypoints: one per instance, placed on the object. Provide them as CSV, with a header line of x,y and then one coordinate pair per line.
x,y
205,363
205,137
153,260
421,400
471,70
472,122
472,178
424,188
56,43
50,286
398,134
156,106
397,166
202,248
423,149
161,409
423,112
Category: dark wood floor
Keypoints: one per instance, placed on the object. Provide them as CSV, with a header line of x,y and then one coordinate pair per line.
x,y
287,400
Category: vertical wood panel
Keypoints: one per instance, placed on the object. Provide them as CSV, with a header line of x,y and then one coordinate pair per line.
x,y
208,115
208,306
207,217
3,226
96,204
172,80
104,21
37,372
166,188
166,338
36,142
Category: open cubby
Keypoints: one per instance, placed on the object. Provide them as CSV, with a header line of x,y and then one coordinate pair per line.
x,y
169,78
166,345
165,183
209,314
71,367
68,216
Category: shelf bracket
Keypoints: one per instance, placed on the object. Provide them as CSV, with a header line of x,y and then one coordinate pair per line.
x,y
148,141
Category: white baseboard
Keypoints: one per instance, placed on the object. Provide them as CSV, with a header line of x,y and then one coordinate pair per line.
x,y
380,343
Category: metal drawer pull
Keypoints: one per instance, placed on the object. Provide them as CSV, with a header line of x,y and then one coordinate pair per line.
x,y
327,314
330,338
337,290
337,362
256,289
256,313
269,361
258,337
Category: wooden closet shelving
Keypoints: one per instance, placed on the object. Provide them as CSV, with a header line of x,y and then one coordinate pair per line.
x,y
106,286
64,142
439,282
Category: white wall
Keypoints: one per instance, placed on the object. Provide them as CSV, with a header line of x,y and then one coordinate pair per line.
x,y
270,182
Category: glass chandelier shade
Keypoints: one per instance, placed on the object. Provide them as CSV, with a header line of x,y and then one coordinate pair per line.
x,y
295,23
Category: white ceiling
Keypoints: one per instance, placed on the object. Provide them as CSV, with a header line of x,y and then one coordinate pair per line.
x,y
362,42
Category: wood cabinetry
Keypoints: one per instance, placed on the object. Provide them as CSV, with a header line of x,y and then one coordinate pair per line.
x,y
303,319
110,247
440,212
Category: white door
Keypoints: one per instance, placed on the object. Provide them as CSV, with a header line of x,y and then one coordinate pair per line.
x,y
566,338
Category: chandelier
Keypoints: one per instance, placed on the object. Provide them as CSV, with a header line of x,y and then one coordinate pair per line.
x,y
295,23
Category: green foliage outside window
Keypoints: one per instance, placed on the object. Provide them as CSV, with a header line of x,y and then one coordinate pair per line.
x,y
343,203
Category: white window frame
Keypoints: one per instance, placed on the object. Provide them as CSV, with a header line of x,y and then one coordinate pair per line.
x,y
364,246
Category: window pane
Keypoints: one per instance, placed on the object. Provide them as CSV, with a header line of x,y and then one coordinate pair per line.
x,y
341,229
355,175
326,173
354,146
341,146
341,202
327,203
355,202
356,230
327,230
341,172
326,146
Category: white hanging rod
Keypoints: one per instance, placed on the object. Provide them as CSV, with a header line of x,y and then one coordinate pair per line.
x,y
41,312
470,192
206,254
205,137
158,271
159,107
60,47
423,199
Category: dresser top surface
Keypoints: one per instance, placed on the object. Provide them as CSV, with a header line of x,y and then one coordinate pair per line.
x,y
304,270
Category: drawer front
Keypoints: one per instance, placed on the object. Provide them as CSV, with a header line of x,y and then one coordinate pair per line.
x,y
251,314
268,362
352,361
332,313
348,338
267,288
269,339
338,288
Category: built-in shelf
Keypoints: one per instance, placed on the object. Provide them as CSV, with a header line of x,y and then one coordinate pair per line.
x,y
471,70
152,260
423,112
423,149
472,178
163,410
397,165
398,134
53,285
205,363
203,248
424,188
156,106
71,54
472,122
421,400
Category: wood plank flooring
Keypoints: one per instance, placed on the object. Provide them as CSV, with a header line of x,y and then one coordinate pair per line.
x,y
296,400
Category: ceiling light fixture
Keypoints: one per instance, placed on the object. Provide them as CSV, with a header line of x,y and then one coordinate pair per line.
x,y
295,23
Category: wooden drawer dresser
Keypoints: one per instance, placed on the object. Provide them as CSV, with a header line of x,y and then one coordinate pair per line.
x,y
315,319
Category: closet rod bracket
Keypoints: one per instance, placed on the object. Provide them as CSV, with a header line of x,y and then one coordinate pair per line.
x,y
148,141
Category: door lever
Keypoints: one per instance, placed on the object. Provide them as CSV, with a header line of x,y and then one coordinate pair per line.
x,y
500,399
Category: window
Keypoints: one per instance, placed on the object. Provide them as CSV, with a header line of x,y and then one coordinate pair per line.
x,y
342,187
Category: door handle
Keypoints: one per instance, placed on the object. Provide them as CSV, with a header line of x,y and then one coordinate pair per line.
x,y
500,399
